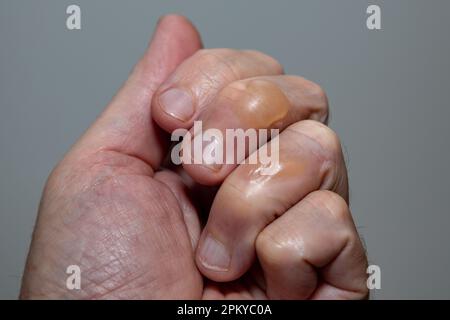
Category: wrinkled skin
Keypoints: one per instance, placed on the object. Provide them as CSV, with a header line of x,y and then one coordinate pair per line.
x,y
135,227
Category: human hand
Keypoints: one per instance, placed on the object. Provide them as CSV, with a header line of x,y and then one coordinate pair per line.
x,y
134,228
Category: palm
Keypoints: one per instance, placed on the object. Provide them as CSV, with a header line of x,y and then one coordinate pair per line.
x,y
127,232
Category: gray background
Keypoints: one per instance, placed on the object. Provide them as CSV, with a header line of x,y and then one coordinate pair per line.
x,y
388,92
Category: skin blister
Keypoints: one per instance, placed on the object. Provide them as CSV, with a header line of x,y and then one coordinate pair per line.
x,y
255,109
265,185
257,103
280,174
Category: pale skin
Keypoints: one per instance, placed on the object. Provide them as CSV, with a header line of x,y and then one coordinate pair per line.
x,y
136,229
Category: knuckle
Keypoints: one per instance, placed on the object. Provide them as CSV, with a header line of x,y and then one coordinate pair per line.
x,y
321,135
324,145
318,94
243,197
274,63
224,51
315,96
316,90
331,205
259,101
219,60
215,54
272,250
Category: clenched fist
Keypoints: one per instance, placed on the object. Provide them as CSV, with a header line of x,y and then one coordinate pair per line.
x,y
140,227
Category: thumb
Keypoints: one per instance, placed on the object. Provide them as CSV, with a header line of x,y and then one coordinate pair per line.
x,y
125,125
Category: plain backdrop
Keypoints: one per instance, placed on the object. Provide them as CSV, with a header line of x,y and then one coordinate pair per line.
x,y
388,93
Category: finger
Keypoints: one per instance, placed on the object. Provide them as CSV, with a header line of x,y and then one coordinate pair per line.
x,y
126,125
268,102
253,195
313,251
194,84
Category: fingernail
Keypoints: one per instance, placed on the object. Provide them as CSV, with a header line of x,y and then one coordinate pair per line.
x,y
213,255
208,153
210,150
177,103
